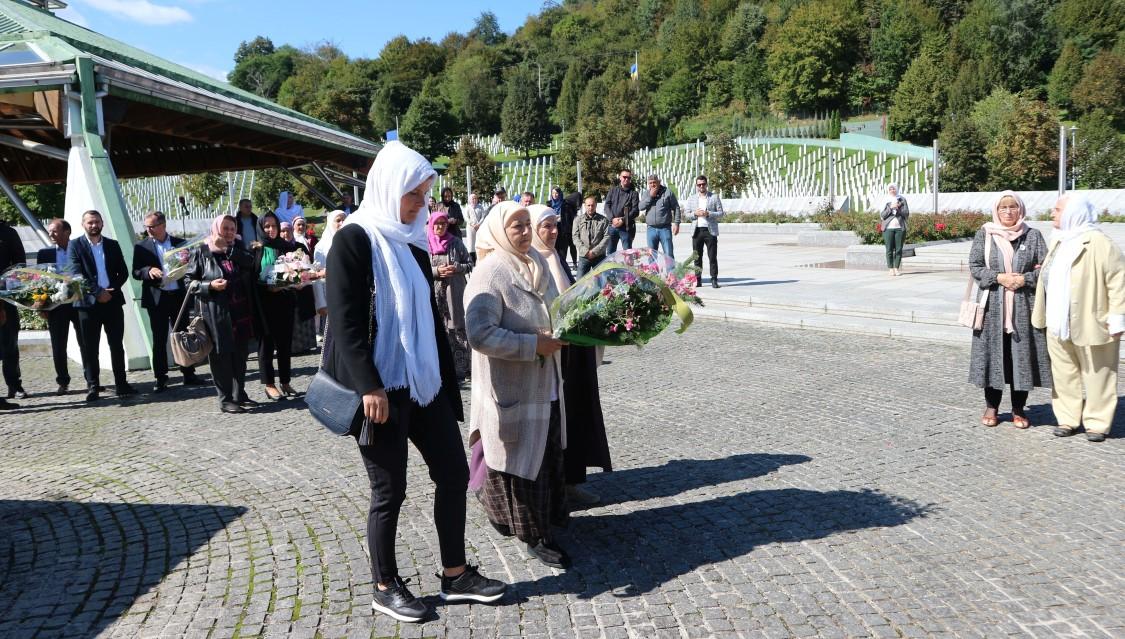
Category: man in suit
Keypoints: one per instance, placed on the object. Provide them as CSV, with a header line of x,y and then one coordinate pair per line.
x,y
703,209
100,261
62,317
161,298
11,253
247,223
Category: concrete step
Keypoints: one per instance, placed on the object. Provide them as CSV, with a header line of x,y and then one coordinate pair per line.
x,y
832,309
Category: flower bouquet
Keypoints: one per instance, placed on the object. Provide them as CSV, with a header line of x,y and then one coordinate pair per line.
x,y
40,287
177,260
617,304
291,271
680,277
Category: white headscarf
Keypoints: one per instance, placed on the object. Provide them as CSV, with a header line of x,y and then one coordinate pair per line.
x,y
539,214
325,243
531,266
406,353
286,213
1077,218
890,199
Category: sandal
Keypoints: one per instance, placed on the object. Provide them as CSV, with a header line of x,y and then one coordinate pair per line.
x,y
987,420
275,395
1021,421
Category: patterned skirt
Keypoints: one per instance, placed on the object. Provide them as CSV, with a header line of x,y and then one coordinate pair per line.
x,y
529,508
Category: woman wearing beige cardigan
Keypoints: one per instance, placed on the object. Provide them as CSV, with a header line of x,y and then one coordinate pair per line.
x,y
517,385
1080,300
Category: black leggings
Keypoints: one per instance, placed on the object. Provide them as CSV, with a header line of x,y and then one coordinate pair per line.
x,y
435,434
992,396
278,309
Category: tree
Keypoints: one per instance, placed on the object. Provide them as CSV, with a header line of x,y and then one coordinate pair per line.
x,y
728,171
1066,73
1025,154
964,165
1013,36
523,120
1099,151
1092,24
204,188
1102,86
991,114
472,87
44,200
403,68
919,103
602,146
429,127
268,185
677,96
811,56
485,174
260,45
566,109
897,41
261,69
486,28
743,29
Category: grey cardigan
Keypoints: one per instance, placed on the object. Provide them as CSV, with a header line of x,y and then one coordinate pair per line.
x,y
714,211
511,385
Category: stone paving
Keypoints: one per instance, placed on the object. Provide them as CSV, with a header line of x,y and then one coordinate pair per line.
x,y
769,483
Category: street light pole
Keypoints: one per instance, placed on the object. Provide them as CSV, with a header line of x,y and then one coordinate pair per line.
x,y
1073,165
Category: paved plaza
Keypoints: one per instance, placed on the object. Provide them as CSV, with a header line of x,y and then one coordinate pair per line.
x,y
769,482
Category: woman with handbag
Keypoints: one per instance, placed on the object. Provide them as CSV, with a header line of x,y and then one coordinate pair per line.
x,y
1008,350
450,262
517,389
392,351
222,276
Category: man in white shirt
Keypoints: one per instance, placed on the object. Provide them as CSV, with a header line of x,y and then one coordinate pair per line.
x,y
705,209
62,317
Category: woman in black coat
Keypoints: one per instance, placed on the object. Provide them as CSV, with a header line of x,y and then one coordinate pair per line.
x,y
222,274
277,308
391,349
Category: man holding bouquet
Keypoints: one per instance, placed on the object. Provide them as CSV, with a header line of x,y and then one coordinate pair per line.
x,y
160,297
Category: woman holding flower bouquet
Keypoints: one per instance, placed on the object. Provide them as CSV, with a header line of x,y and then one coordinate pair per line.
x,y
450,262
304,313
517,390
222,274
586,443
278,303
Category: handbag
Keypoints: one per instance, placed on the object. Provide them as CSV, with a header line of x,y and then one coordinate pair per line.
x,y
335,406
192,345
972,308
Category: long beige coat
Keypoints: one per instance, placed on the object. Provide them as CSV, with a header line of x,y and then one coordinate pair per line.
x,y
1097,285
511,387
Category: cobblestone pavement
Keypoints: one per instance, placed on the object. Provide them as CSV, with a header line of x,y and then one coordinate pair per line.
x,y
769,483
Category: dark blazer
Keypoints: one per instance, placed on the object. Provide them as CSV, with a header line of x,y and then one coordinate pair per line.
x,y
81,257
145,257
47,255
349,304
11,247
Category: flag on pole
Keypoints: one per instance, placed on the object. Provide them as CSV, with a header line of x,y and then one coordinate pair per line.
x,y
633,71
392,135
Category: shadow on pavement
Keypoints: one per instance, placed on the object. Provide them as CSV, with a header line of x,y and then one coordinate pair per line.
x,y
634,553
70,569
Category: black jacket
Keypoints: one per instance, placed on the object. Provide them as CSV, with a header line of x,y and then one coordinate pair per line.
x,y
351,321
47,255
145,258
81,257
215,305
11,247
624,204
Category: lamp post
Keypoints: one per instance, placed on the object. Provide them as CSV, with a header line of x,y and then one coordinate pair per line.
x,y
1073,164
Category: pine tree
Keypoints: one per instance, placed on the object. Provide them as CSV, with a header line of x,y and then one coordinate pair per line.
x,y
728,171
1066,73
523,119
920,100
566,109
964,165
1025,154
485,175
429,126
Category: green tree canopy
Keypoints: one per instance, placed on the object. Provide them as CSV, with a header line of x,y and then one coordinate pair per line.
x,y
1102,86
485,174
1066,73
812,55
1025,154
523,120
727,169
964,165
429,126
1099,152
205,188
920,100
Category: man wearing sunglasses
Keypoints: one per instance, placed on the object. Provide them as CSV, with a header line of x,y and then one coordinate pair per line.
x,y
621,209
705,210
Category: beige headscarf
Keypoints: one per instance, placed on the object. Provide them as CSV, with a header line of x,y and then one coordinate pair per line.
x,y
539,214
1004,236
531,266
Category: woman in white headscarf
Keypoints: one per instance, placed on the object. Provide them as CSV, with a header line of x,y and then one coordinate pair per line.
x,y
287,209
586,442
894,215
517,390
320,256
1080,300
1008,351
385,342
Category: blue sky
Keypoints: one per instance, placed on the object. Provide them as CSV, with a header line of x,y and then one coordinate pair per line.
x,y
204,34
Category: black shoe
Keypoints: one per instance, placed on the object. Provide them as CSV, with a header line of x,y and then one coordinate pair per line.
x,y
92,394
549,554
1095,437
471,586
6,405
503,529
397,602
63,389
193,380
161,386
124,390
247,403
714,284
231,407
1062,431
17,393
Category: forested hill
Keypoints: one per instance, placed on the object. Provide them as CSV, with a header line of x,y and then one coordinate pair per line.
x,y
979,69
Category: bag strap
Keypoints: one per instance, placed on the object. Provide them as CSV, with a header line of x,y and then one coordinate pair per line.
x,y
973,282
183,307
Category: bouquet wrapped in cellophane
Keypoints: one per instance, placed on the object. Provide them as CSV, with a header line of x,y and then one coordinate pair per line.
x,y
291,271
176,261
40,287
629,299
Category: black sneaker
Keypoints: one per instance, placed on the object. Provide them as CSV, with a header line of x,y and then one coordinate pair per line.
x,y
1095,437
125,390
397,602
471,586
17,393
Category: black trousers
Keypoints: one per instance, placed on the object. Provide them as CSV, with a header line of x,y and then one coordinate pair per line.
x,y
228,372
59,322
992,396
700,239
10,346
278,309
564,246
92,320
434,432
159,319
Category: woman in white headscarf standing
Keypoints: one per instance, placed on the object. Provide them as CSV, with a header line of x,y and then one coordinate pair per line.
x,y
385,342
586,442
320,256
517,388
1080,300
287,208
1007,351
894,215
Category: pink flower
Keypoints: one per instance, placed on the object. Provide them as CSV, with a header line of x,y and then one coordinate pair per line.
x,y
629,324
613,328
630,279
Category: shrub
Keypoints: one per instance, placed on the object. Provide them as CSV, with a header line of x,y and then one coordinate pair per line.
x,y
921,227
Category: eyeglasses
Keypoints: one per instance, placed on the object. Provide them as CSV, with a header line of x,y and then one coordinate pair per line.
x,y
157,225
1008,207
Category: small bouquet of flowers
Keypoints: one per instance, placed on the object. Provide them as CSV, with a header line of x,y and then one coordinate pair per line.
x,y
291,271
618,303
40,287
177,260
681,277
